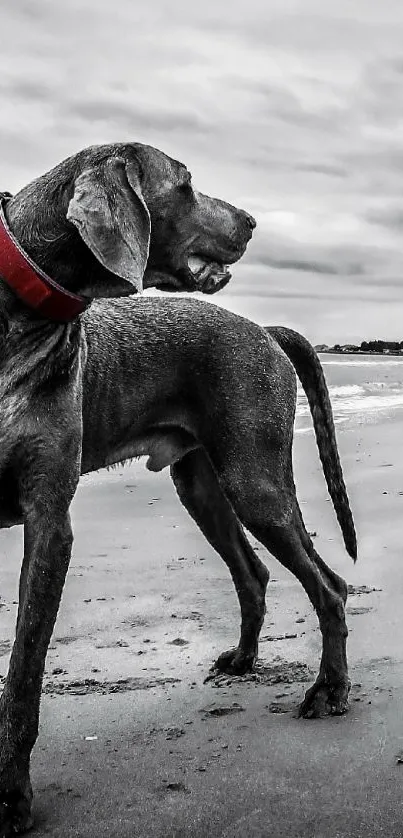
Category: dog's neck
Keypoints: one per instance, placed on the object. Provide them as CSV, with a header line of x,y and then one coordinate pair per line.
x,y
37,218
50,241
26,289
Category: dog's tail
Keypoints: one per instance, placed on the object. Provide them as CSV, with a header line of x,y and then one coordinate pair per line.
x,y
309,371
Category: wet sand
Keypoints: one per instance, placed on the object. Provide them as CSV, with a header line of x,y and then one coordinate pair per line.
x,y
133,743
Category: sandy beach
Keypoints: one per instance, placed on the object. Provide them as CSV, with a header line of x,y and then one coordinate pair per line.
x,y
133,743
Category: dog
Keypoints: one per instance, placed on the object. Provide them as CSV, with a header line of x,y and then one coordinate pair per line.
x,y
105,223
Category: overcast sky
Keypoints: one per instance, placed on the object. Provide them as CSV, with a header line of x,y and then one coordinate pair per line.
x,y
292,109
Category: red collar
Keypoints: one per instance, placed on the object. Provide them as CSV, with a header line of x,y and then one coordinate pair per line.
x,y
37,290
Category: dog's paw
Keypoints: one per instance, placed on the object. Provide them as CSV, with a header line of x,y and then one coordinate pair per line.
x,y
325,700
235,662
14,822
15,813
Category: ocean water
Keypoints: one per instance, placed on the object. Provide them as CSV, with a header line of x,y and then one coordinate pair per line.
x,y
363,388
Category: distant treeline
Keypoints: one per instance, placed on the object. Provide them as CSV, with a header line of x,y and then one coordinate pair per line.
x,y
378,346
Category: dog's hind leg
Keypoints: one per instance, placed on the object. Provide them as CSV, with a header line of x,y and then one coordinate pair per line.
x,y
268,508
200,492
330,577
316,695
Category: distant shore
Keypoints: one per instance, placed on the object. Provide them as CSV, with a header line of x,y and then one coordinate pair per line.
x,y
356,350
366,347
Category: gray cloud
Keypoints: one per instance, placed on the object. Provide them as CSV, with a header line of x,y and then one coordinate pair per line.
x,y
312,266
25,89
391,217
328,169
134,118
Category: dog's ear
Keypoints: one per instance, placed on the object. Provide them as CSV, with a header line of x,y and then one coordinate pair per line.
x,y
110,213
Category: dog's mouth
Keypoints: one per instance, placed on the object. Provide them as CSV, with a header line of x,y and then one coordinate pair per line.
x,y
208,275
197,273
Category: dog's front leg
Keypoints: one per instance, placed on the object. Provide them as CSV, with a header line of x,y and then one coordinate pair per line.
x,y
47,549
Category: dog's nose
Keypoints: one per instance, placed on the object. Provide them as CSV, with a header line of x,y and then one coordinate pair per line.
x,y
250,220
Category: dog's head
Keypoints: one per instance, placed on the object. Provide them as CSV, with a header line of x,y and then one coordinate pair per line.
x,y
194,238
114,219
